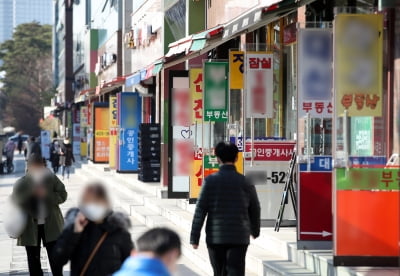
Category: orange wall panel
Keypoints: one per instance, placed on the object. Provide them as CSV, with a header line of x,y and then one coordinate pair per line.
x,y
367,223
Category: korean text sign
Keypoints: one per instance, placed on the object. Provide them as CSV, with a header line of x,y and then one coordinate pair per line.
x,y
315,73
259,85
196,91
101,133
215,91
113,131
129,118
182,145
358,42
236,69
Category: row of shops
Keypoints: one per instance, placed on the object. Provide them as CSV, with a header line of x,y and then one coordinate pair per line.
x,y
281,84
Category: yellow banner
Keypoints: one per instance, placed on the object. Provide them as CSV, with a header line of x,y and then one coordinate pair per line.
x,y
196,92
358,64
101,133
236,69
196,179
113,132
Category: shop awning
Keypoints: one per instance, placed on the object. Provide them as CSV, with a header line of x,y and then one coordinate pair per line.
x,y
179,47
247,22
132,79
193,42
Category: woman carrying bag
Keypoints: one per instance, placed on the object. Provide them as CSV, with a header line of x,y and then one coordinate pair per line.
x,y
38,194
95,239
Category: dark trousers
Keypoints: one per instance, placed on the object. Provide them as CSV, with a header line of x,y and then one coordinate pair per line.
x,y
228,259
33,253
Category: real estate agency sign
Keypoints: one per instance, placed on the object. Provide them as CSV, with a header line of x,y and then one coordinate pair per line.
x,y
315,73
259,85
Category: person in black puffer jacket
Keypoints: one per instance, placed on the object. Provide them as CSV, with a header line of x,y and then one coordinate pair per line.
x,y
231,206
92,225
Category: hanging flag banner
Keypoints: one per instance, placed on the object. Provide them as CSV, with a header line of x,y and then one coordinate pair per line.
x,y
83,130
181,102
236,69
259,85
101,133
182,145
76,138
113,132
196,91
129,110
216,91
315,73
45,141
358,64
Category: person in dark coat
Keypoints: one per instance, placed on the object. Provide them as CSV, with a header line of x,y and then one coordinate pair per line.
x,y
230,203
20,142
93,225
55,150
34,148
66,158
39,194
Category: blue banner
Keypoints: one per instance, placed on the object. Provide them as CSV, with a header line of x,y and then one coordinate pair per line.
x,y
318,164
129,118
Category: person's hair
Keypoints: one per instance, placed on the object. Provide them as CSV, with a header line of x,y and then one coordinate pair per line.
x,y
159,241
98,190
33,139
226,152
35,159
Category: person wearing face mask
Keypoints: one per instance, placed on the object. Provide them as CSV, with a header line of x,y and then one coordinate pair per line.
x,y
157,254
39,194
95,239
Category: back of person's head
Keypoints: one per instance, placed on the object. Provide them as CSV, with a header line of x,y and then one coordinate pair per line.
x,y
33,139
163,243
226,152
35,160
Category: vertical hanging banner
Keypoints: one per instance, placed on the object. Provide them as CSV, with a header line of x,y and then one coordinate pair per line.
x,y
113,132
84,124
216,91
45,141
101,133
236,69
182,145
315,73
129,108
76,138
196,91
358,42
259,85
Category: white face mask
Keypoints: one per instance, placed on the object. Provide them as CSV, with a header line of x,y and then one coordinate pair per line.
x,y
94,212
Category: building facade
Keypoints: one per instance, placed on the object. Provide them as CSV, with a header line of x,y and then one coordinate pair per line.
x,y
201,72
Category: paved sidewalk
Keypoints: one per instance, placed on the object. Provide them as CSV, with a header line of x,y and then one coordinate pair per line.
x,y
13,258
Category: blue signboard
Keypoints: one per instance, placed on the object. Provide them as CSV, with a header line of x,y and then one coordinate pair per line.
x,y
129,118
318,164
367,160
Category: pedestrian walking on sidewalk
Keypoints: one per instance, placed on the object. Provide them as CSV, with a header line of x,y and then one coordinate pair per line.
x,y
39,194
34,148
230,203
158,251
66,158
55,150
95,240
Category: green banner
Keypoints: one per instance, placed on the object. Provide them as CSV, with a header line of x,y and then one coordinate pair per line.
x,y
383,179
361,136
216,91
210,162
